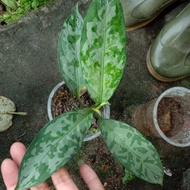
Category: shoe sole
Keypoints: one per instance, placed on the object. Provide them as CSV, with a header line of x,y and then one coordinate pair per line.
x,y
156,75
144,23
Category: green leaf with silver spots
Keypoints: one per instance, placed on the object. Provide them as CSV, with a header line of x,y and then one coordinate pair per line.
x,y
103,48
54,145
69,53
132,150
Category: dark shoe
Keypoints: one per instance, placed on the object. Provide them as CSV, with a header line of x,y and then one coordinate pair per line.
x,y
138,13
168,58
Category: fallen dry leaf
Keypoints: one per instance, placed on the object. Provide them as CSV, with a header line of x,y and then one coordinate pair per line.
x,y
6,105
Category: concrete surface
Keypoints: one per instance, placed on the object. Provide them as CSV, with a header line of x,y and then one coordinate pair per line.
x,y
28,72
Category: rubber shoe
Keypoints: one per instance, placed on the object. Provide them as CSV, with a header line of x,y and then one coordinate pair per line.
x,y
168,58
138,13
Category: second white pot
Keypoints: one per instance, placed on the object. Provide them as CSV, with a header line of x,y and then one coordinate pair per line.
x,y
145,118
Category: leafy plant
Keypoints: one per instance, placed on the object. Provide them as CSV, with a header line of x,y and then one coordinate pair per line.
x,y
15,9
91,55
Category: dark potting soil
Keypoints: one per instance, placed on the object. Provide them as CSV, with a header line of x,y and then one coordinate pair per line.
x,y
170,116
63,101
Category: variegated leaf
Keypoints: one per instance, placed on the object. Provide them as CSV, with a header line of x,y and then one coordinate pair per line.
x,y
69,53
54,145
132,150
103,48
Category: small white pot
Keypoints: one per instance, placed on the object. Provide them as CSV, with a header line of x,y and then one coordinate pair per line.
x,y
105,112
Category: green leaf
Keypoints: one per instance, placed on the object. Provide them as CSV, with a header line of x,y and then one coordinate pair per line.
x,y
11,4
103,48
132,150
127,177
54,145
69,53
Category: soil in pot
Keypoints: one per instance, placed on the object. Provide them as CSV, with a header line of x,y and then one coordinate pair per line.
x,y
63,101
172,114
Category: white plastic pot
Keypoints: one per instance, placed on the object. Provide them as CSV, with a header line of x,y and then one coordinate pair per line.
x,y
182,139
145,119
105,112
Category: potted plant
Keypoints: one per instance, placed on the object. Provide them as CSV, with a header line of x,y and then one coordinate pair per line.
x,y
61,100
91,56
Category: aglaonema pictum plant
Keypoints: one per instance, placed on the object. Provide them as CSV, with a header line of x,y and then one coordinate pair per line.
x,y
92,56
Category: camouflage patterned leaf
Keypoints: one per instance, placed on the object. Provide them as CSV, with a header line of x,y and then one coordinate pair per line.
x,y
69,53
103,48
132,150
54,145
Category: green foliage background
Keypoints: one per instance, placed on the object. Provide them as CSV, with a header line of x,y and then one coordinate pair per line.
x,y
23,6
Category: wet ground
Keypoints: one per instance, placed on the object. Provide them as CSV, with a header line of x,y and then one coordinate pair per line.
x,y
28,72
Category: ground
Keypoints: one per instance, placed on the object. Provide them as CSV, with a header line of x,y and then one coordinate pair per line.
x,y
28,72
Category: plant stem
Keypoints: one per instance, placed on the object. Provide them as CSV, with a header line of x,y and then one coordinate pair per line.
x,y
14,113
96,110
102,104
81,92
